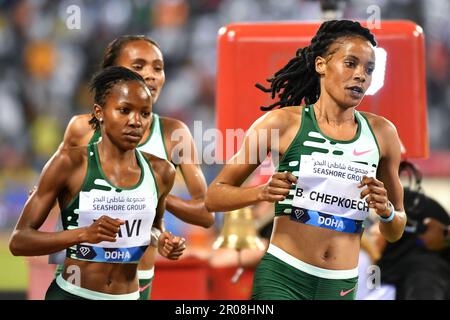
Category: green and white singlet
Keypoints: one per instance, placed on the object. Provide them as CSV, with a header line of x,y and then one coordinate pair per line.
x,y
154,144
328,172
98,196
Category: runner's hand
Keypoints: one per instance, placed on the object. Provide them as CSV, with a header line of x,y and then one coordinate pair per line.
x,y
170,246
278,187
376,196
103,229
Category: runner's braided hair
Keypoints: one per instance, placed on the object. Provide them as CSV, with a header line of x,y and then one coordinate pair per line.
x,y
298,79
103,81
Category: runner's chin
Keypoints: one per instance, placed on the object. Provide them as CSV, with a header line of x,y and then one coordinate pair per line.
x,y
132,140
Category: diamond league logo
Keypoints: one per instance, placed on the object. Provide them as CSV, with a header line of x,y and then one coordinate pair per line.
x,y
84,251
299,213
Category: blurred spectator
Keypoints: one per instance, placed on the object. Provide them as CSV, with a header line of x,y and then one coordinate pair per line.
x,y
418,265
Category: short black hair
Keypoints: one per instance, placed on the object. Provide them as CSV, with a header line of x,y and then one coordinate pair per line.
x,y
104,80
115,47
298,80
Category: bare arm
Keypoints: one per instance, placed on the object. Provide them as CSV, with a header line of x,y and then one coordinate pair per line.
x,y
225,192
388,187
78,131
26,240
184,153
165,177
169,246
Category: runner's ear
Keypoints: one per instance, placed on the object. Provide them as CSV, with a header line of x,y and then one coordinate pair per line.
x,y
98,112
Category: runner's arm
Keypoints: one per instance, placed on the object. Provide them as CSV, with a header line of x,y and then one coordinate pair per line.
x,y
225,192
388,174
26,240
184,153
78,131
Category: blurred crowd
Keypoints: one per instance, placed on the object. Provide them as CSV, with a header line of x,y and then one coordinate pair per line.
x,y
46,66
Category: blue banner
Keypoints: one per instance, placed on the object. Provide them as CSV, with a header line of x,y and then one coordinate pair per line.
x,y
328,221
112,255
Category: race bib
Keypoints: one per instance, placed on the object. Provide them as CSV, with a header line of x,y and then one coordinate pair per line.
x,y
133,237
327,193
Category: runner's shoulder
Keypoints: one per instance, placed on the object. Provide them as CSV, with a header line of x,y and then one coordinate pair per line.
x,y
280,118
380,125
69,158
171,124
162,168
78,130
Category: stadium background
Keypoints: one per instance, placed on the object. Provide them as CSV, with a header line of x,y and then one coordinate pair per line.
x,y
45,67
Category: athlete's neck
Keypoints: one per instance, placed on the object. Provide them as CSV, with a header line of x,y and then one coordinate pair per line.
x,y
331,113
107,150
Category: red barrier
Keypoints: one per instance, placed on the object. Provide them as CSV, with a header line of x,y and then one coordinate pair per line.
x,y
251,52
183,279
223,289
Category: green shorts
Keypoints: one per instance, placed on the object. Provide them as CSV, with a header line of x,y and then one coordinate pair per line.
x,y
54,292
280,276
145,283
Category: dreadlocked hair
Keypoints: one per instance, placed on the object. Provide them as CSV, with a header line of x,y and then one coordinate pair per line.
x,y
298,80
112,52
103,81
